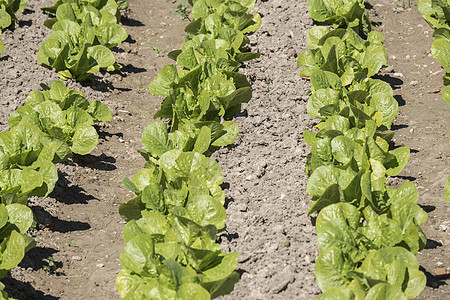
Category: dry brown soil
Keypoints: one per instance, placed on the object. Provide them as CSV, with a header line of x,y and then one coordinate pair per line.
x,y
79,225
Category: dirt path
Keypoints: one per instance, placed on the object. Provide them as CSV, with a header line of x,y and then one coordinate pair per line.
x,y
267,222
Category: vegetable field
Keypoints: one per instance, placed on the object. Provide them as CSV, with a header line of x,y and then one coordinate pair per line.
x,y
286,162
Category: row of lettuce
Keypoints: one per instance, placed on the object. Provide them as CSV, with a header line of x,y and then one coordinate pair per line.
x,y
178,209
367,231
57,123
51,127
437,14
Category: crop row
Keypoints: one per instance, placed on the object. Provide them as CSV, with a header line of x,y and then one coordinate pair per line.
x,y
57,123
51,127
368,232
437,14
172,222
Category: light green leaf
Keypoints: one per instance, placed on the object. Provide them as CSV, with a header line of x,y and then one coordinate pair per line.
x,y
14,251
332,267
205,210
102,55
84,140
21,216
155,139
162,83
99,111
383,291
440,49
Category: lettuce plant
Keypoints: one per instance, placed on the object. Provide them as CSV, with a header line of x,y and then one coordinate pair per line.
x,y
214,18
111,6
436,13
204,94
343,52
63,114
8,10
173,257
26,168
15,220
50,127
81,43
341,13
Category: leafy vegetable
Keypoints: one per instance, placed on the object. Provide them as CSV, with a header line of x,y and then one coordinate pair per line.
x,y
348,14
177,210
63,114
15,220
367,232
83,37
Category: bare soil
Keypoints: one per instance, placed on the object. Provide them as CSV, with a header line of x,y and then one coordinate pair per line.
x,y
79,225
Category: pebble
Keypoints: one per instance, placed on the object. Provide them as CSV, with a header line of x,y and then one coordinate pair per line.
x,y
440,272
414,83
397,74
283,283
77,258
242,207
389,69
100,265
443,227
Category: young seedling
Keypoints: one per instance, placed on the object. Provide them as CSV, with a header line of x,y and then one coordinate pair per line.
x,y
51,266
140,90
183,10
269,81
156,49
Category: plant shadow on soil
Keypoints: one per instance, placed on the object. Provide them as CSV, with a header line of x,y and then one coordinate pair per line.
x,y
45,219
127,21
100,162
99,84
34,258
428,208
69,194
23,290
130,69
435,281
394,82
